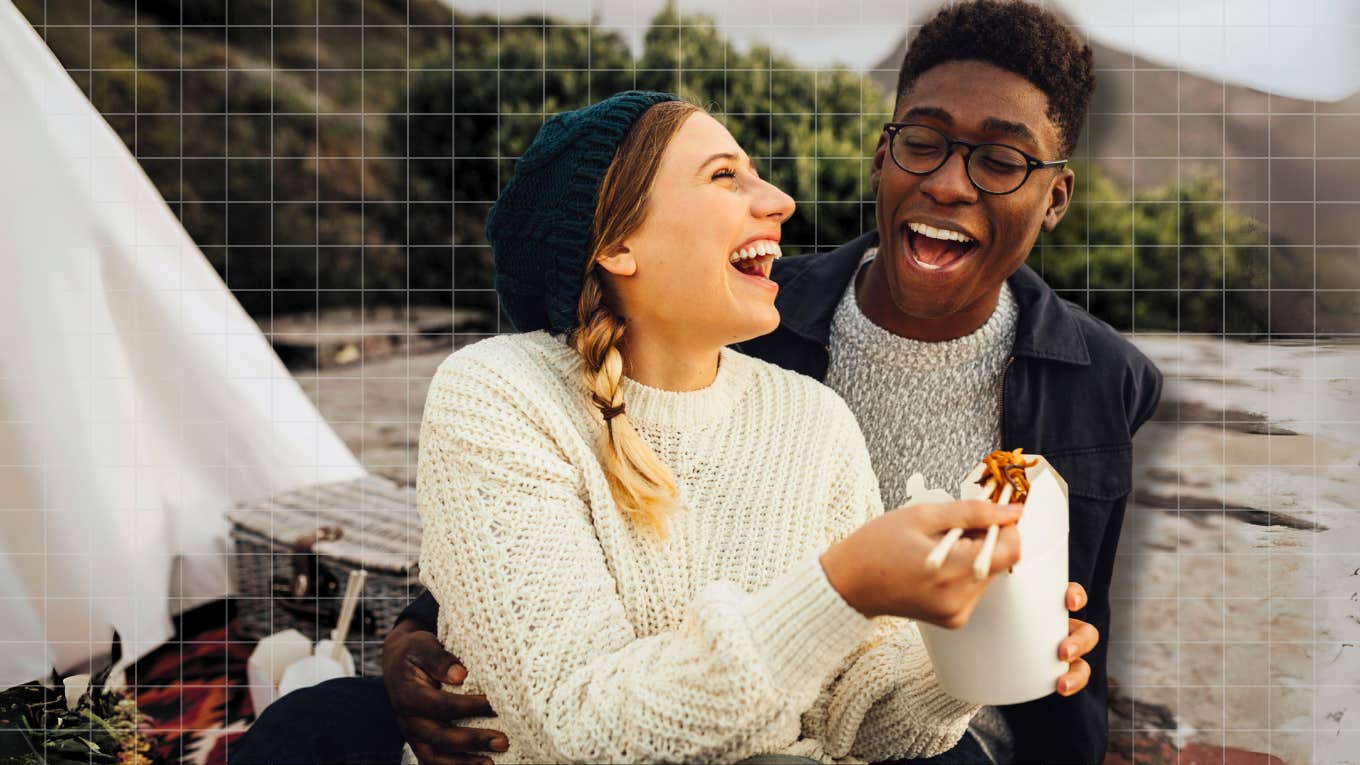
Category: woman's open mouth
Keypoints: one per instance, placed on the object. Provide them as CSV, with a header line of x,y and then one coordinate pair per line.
x,y
755,259
935,249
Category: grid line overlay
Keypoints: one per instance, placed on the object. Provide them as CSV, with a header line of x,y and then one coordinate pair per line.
x,y
335,202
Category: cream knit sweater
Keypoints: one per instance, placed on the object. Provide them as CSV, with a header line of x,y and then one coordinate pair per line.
x,y
596,642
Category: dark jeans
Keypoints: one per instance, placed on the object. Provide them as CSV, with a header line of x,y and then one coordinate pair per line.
x,y
967,752
350,721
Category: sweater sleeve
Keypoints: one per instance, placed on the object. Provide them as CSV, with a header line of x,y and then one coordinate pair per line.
x,y
510,552
886,702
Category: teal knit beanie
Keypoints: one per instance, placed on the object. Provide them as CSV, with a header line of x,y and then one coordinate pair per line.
x,y
539,227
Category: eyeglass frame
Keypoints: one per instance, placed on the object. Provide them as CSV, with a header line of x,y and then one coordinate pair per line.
x,y
1032,163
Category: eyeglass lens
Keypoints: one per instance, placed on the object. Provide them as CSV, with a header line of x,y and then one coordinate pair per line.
x,y
993,167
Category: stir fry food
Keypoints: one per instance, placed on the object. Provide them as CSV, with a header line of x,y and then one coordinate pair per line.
x,y
1004,476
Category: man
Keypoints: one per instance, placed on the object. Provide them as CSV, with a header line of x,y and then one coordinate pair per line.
x,y
943,344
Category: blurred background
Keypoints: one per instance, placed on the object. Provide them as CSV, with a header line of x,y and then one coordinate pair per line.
x,y
334,161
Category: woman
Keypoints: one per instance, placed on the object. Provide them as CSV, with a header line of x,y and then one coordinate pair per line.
x,y
647,546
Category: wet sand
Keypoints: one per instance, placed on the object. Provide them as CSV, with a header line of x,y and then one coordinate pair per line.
x,y
1236,606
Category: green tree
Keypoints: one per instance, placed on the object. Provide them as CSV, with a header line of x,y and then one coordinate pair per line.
x,y
393,124
1177,259
810,132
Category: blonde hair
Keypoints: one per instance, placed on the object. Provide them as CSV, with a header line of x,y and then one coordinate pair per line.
x,y
640,483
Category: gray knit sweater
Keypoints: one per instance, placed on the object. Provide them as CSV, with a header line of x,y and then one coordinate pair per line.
x,y
933,408
928,407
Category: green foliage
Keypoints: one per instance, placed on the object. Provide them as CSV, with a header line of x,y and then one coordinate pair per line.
x,y
389,146
809,132
104,727
1161,262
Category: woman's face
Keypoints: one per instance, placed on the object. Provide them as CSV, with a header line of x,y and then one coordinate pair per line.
x,y
696,271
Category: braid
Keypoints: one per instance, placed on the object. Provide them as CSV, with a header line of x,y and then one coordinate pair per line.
x,y
640,484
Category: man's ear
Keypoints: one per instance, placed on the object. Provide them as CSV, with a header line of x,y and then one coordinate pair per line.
x,y
618,260
876,164
1059,196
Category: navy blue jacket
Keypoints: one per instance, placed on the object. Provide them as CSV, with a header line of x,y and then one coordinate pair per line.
x,y
1074,391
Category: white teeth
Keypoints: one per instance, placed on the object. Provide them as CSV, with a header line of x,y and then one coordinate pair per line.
x,y
755,250
938,233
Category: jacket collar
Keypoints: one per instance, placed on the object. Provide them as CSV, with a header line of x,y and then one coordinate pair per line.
x,y
810,288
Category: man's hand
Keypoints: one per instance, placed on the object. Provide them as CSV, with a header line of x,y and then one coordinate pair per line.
x,y
414,664
1081,638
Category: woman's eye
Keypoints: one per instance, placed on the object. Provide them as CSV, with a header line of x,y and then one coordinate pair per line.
x,y
725,173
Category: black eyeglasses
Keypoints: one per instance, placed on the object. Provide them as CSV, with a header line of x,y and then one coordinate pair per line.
x,y
994,168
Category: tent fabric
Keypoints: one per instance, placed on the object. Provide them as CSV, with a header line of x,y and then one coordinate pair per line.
x,y
138,401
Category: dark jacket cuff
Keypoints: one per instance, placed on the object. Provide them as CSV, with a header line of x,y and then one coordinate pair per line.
x,y
424,611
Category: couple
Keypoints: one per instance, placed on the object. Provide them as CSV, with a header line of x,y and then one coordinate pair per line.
x,y
648,546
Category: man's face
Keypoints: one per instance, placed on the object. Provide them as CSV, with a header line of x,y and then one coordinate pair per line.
x,y
935,280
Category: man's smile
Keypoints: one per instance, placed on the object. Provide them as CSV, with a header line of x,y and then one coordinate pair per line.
x,y
937,248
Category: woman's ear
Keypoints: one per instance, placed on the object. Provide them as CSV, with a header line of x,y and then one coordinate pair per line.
x,y
618,260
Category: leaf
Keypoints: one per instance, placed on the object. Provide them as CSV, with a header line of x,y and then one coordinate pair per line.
x,y
95,718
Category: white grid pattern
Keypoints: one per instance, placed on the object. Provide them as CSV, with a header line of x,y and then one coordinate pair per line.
x,y
1146,600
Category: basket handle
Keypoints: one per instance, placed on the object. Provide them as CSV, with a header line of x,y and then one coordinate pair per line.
x,y
304,560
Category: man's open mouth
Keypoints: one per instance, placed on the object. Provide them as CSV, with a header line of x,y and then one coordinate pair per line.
x,y
936,249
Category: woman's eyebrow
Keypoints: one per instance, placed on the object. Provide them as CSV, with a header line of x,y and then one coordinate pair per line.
x,y
720,155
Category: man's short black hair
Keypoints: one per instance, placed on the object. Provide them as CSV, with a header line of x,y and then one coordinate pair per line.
x,y
1015,36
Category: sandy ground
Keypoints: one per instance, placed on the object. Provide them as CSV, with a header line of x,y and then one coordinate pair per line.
x,y
1237,617
1237,590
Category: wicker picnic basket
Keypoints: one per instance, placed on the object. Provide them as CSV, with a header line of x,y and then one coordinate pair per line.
x,y
294,551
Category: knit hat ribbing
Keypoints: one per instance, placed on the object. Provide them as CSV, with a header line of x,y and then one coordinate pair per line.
x,y
539,227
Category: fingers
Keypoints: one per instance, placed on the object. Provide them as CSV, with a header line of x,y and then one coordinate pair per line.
x,y
426,653
1076,596
440,705
430,755
1081,639
1005,552
1074,679
971,514
454,739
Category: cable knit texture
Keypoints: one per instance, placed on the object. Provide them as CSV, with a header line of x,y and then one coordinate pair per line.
x,y
594,640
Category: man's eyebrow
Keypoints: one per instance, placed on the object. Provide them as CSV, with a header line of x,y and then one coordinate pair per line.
x,y
932,112
990,125
1016,129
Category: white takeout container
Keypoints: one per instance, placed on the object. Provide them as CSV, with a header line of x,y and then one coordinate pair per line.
x,y
316,669
287,661
266,665
1007,653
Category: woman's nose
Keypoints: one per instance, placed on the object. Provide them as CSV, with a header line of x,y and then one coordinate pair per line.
x,y
772,202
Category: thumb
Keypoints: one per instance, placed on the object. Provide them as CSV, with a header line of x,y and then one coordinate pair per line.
x,y
971,514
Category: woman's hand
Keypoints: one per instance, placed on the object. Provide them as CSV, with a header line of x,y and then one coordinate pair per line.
x,y
1081,639
880,569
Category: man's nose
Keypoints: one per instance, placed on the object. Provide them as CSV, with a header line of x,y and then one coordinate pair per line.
x,y
949,184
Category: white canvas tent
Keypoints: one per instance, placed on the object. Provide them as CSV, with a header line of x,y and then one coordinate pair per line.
x,y
138,401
